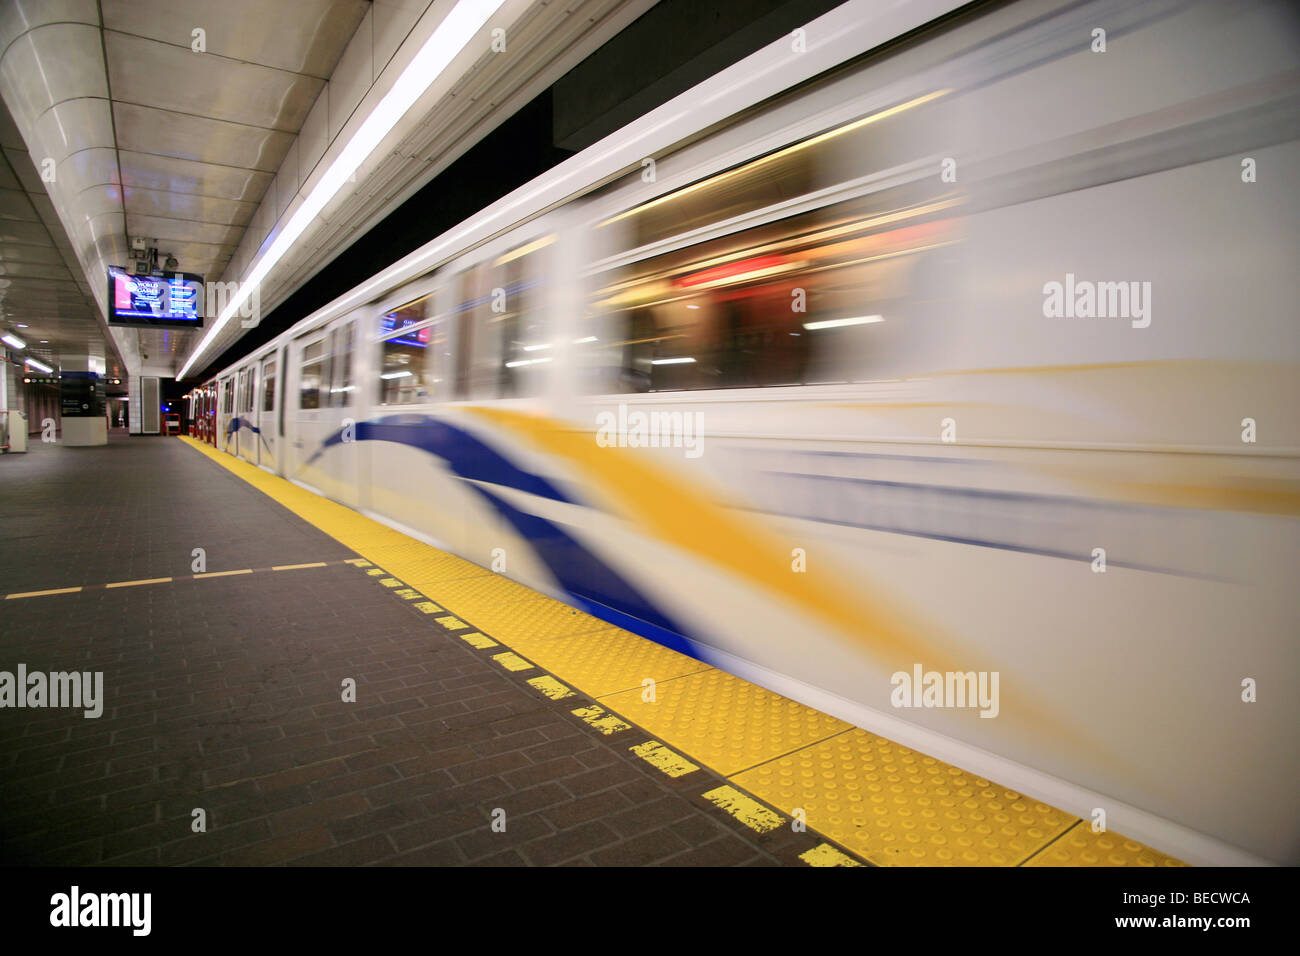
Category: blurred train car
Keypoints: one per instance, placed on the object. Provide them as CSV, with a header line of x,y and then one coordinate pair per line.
x,y
977,353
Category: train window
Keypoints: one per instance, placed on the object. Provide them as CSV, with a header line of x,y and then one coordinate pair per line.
x,y
343,340
313,373
878,141
503,348
228,396
822,297
249,391
268,386
406,316
412,364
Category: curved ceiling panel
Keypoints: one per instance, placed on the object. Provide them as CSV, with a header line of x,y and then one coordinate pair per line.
x,y
148,137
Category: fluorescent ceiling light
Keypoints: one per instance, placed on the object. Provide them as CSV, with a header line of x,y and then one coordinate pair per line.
x,y
395,375
585,339
672,361
840,323
536,348
39,366
447,40
13,341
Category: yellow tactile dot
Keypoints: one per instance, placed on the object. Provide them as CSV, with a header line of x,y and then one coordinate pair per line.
x,y
897,807
602,662
1082,847
728,723
537,619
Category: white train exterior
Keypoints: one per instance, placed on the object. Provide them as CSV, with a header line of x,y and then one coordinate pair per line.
x,y
976,356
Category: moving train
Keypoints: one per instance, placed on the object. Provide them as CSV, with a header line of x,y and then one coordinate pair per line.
x,y
973,354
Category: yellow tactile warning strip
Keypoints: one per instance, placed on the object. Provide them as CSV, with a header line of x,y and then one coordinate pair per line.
x,y
1080,846
890,805
201,576
897,807
610,660
688,712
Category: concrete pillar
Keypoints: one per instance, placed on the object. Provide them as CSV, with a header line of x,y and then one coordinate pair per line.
x,y
81,400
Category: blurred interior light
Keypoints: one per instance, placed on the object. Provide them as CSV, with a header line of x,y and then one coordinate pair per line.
x,y
537,348
39,366
779,154
742,270
395,374
536,361
672,361
840,323
522,251
585,339
447,40
13,341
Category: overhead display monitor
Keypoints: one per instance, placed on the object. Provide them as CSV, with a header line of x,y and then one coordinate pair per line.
x,y
173,300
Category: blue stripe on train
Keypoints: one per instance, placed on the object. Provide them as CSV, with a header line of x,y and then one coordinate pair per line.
x,y
235,424
467,456
590,583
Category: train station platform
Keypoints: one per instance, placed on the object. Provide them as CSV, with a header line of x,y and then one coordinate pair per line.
x,y
489,724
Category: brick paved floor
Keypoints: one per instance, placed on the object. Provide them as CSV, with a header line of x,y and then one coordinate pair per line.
x,y
224,694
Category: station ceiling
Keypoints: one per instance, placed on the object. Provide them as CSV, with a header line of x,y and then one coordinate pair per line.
x,y
148,139
198,125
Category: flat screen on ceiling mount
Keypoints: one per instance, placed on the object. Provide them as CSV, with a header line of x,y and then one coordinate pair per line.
x,y
173,300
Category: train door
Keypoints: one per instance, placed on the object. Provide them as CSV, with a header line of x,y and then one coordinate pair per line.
x,y
211,422
341,418
323,386
210,414
245,436
267,416
225,413
308,367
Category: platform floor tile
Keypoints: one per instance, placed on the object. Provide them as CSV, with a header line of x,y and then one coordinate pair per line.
x,y
728,723
897,807
609,660
1080,846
